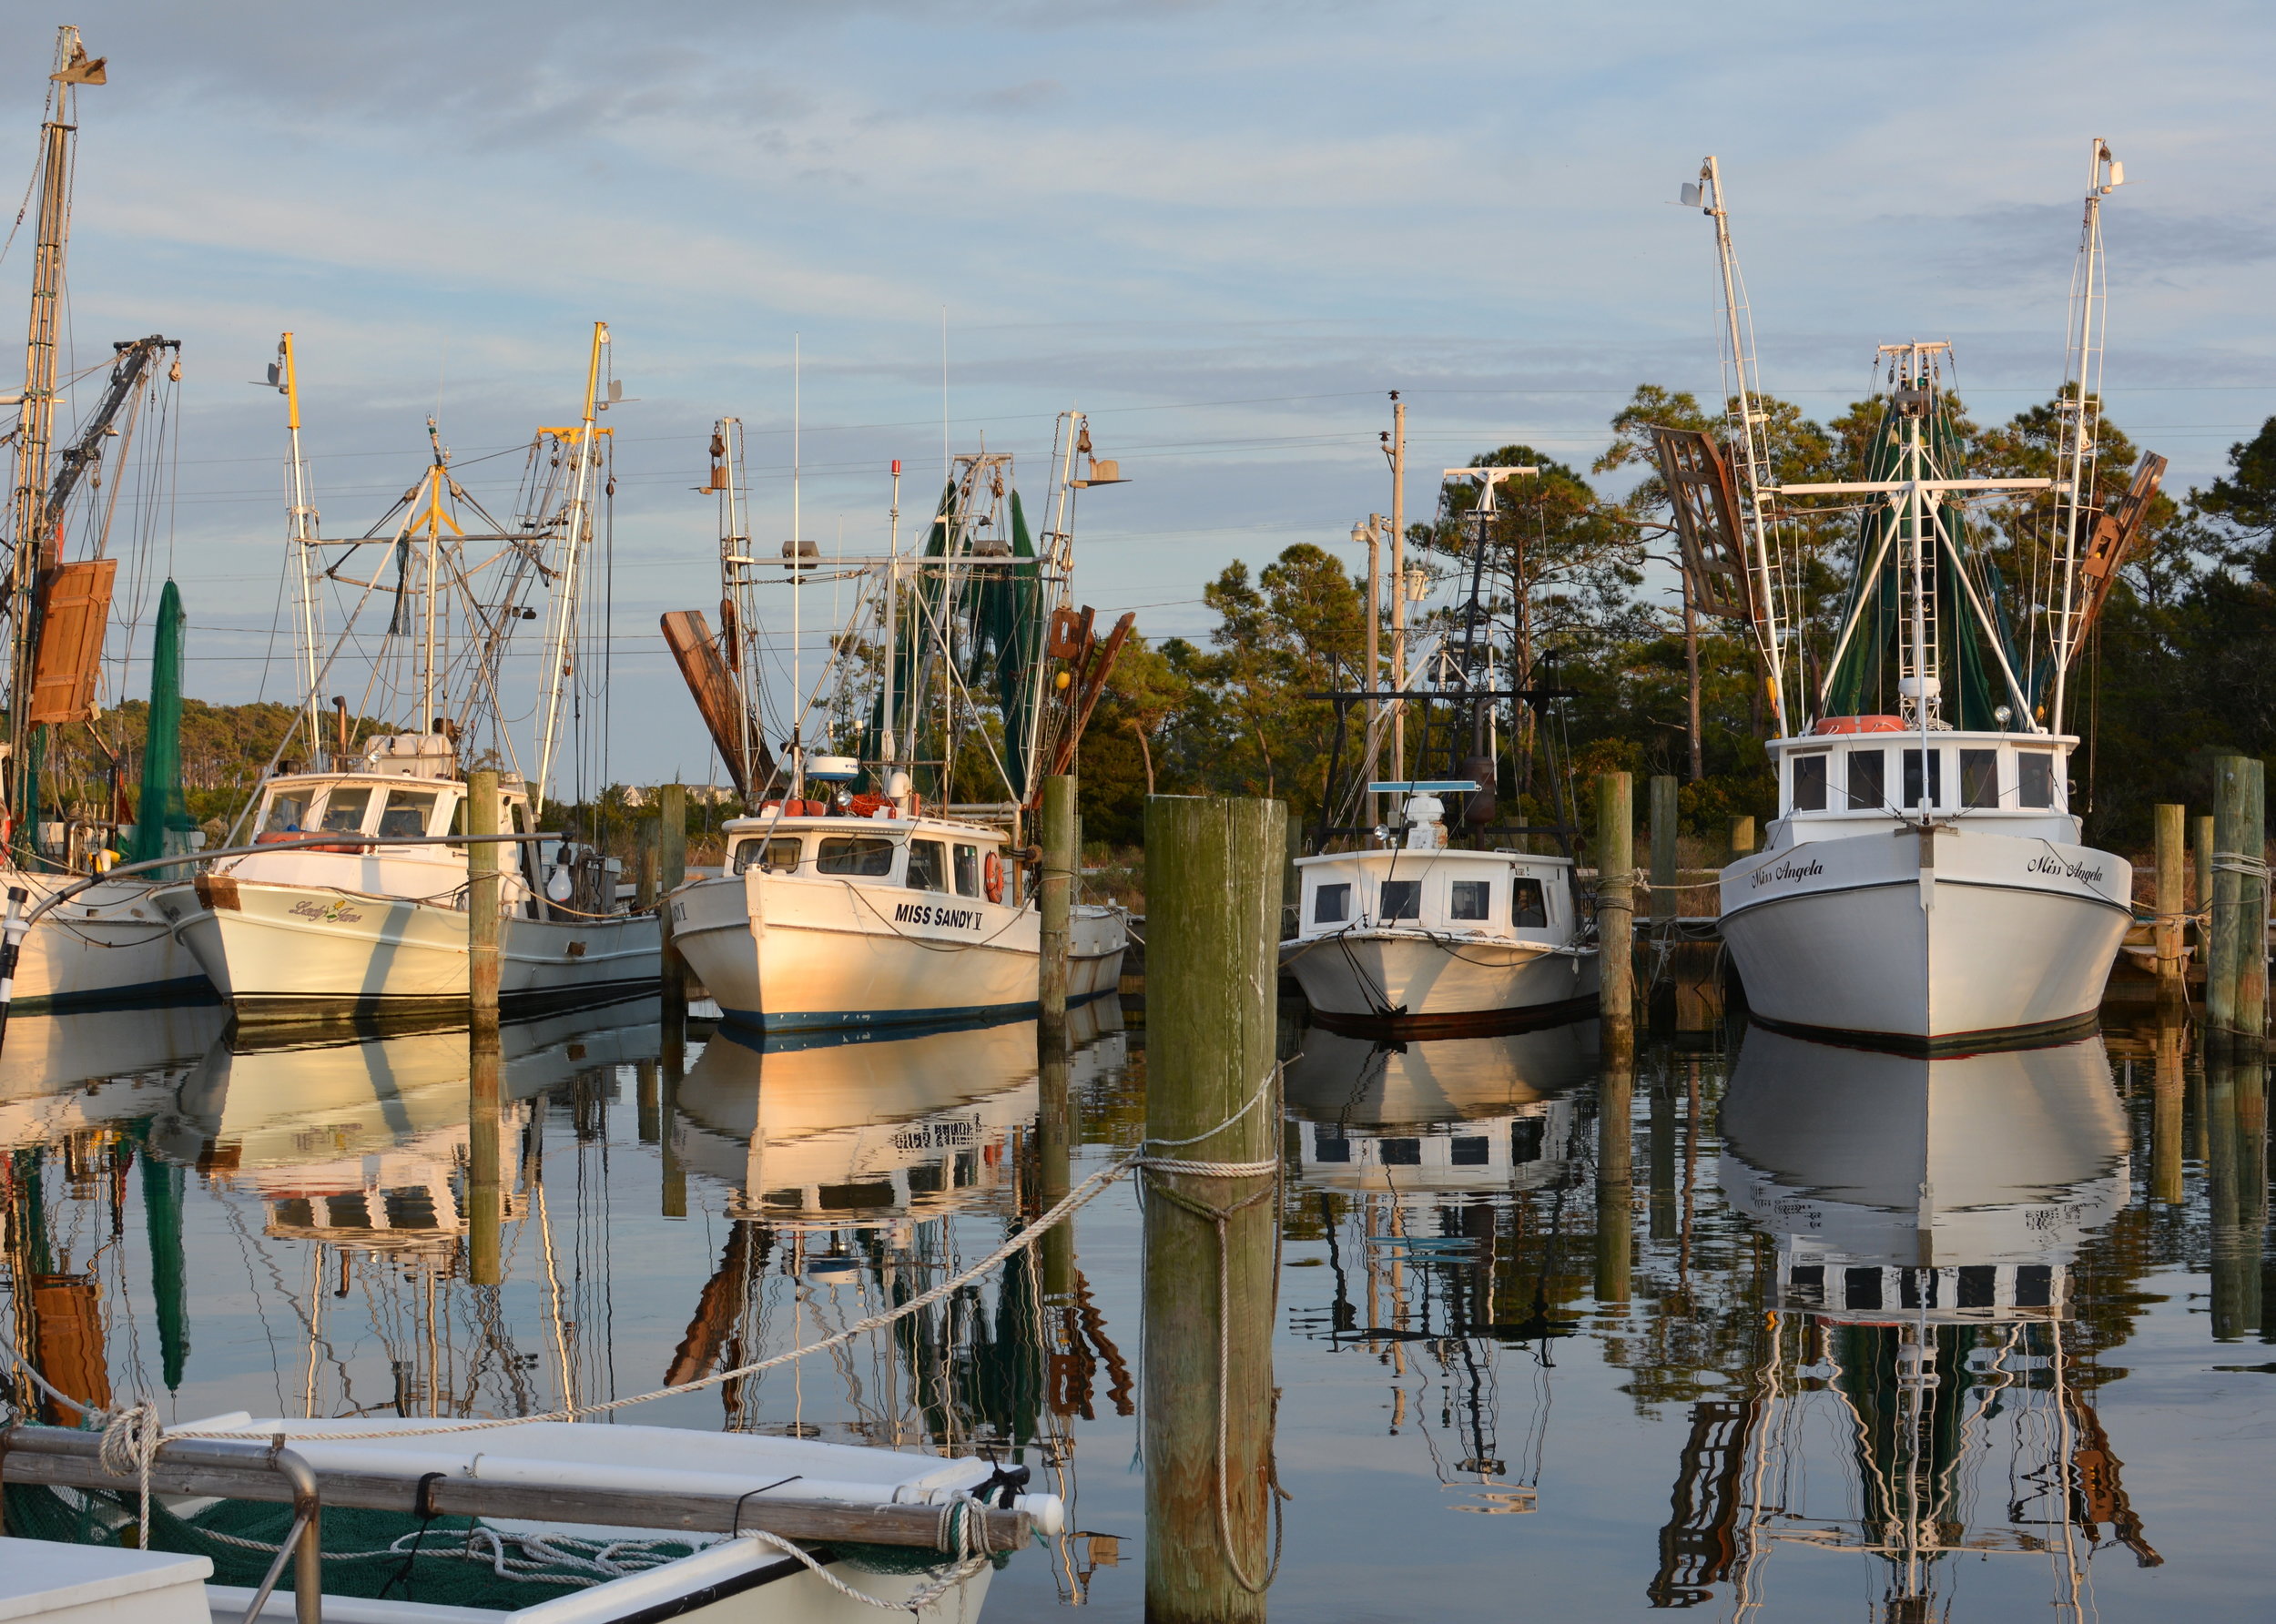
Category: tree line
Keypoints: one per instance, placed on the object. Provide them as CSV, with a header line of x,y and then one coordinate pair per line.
x,y
2179,668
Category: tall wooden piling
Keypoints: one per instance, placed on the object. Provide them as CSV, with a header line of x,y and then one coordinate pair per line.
x,y
1664,895
671,852
2172,894
2236,987
1212,899
1616,912
2201,899
1056,896
485,1202
1742,838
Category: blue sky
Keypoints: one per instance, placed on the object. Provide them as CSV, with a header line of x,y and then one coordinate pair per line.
x,y
1225,229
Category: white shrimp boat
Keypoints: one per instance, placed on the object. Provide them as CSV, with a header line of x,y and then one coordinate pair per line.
x,y
371,929
869,909
823,923
1925,883
1425,939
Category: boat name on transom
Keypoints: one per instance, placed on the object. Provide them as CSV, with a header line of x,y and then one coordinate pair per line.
x,y
1763,877
925,913
2047,864
329,913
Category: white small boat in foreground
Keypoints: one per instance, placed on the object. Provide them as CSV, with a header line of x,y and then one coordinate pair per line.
x,y
1425,939
501,1524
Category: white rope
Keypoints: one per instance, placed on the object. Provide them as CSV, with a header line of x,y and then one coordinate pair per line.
x,y
960,1531
130,1440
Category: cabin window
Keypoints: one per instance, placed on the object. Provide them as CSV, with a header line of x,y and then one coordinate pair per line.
x,y
1402,898
2035,777
1331,905
1861,1288
1401,1152
1809,783
1979,777
968,870
2035,1286
1325,1149
1527,1135
1528,906
407,813
1470,899
1470,1150
1868,785
286,815
928,865
1912,778
745,853
865,856
344,810
782,854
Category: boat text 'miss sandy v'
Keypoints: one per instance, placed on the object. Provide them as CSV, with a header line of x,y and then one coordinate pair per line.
x,y
1423,938
1924,881
845,907
371,929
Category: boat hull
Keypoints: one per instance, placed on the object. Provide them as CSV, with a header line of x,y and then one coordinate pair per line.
x,y
1952,938
1417,982
784,953
312,955
108,946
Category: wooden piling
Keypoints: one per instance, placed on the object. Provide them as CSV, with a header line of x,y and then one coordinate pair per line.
x,y
1664,895
1616,912
485,1202
2236,983
1056,897
2173,899
1742,838
671,849
1213,899
2201,899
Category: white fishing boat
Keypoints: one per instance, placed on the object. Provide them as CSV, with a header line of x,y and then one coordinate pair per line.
x,y
374,927
1925,882
108,946
1422,936
843,908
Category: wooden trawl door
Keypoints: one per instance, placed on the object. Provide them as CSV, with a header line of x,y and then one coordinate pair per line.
x,y
75,609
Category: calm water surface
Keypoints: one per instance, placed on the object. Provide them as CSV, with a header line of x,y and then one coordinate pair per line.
x,y
1856,1337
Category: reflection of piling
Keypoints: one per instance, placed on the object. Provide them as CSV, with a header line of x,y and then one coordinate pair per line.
x,y
1662,1224
1212,898
1054,1156
2172,822
2237,1176
1056,829
1615,1178
647,1102
671,856
2165,1122
485,1193
1616,912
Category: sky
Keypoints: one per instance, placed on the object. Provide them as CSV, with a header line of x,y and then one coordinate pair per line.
x,y
1225,231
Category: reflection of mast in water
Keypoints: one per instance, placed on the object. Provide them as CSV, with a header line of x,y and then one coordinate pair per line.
x,y
844,1163
1414,1155
1926,1213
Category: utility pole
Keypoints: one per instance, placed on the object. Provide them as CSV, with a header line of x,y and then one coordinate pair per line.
x,y
1395,448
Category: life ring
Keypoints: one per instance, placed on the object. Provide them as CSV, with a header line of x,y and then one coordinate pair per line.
x,y
1829,724
991,877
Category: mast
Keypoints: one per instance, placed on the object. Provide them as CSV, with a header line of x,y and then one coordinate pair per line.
x,y
1753,444
300,520
35,541
2079,410
889,743
562,612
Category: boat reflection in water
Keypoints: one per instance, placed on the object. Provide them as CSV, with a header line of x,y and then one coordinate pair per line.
x,y
1927,1214
1438,1171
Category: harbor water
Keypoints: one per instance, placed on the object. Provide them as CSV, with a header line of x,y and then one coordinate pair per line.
x,y
1844,1333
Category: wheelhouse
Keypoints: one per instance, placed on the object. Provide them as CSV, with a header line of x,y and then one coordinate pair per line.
x,y
949,858
1482,893
1829,776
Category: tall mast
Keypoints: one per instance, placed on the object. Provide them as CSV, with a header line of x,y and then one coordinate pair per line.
x,y
1753,444
889,745
2081,409
35,542
576,532
300,520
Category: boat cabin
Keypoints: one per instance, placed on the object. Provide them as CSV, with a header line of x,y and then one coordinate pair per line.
x,y
1483,893
956,859
1859,768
